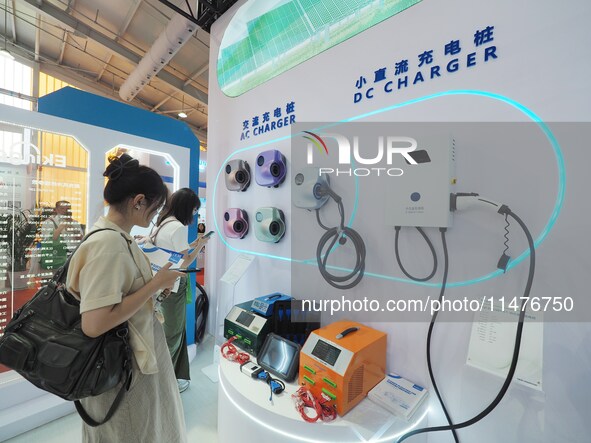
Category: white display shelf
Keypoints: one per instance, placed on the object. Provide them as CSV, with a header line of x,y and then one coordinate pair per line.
x,y
245,414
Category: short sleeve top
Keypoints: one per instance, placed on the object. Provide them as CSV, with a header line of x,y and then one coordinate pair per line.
x,y
171,235
107,267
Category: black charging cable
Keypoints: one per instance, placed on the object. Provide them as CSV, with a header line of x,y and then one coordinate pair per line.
x,y
201,312
430,333
503,210
329,240
396,250
434,317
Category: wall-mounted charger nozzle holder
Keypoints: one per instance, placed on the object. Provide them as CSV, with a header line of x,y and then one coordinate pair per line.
x,y
237,175
270,168
235,223
323,190
269,224
310,189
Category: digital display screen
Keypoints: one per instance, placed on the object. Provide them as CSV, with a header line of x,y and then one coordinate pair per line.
x,y
245,319
278,355
326,352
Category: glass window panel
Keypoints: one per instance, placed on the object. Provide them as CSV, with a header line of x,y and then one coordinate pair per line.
x,y
39,185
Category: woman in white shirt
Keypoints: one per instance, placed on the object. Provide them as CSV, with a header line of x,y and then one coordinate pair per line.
x,y
171,233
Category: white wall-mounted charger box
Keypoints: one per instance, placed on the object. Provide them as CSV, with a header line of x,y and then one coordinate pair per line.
x,y
421,195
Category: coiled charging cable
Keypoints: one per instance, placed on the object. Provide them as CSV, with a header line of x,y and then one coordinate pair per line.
x,y
229,352
329,240
304,398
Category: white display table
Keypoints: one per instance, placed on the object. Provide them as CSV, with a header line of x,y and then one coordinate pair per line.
x,y
245,415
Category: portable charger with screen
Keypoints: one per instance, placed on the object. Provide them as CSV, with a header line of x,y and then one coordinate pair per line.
x,y
280,357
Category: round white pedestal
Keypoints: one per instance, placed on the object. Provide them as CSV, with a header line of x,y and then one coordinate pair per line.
x,y
245,415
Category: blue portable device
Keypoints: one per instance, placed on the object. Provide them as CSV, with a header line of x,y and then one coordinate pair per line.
x,y
264,305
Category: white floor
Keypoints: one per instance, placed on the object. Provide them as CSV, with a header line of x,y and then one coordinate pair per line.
x,y
200,402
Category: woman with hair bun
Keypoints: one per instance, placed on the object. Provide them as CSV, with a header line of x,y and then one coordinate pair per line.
x,y
113,279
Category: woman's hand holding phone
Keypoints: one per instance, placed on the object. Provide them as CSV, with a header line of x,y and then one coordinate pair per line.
x,y
201,241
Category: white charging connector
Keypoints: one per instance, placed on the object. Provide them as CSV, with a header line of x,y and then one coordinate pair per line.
x,y
250,369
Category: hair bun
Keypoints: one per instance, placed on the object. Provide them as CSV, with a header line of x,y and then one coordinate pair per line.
x,y
118,165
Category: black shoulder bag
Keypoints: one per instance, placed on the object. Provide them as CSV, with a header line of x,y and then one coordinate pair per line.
x,y
45,344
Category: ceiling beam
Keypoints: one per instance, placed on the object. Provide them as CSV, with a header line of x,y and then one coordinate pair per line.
x,y
37,36
24,53
209,12
195,36
13,21
63,48
18,95
116,47
70,6
196,74
189,80
178,10
130,14
104,68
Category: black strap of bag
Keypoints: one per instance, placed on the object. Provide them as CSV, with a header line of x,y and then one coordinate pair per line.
x,y
122,333
124,388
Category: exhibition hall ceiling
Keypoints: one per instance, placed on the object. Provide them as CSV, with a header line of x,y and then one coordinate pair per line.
x,y
97,44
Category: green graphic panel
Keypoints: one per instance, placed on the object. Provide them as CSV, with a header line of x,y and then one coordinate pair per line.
x,y
267,38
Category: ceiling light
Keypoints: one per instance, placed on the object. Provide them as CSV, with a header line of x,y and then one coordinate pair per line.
x,y
182,114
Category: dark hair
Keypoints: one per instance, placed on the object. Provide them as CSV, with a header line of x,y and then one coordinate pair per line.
x,y
127,178
180,205
201,228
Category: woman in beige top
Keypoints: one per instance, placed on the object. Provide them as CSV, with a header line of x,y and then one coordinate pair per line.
x,y
113,279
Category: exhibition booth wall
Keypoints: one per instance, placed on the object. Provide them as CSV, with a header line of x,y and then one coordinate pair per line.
x,y
503,79
47,158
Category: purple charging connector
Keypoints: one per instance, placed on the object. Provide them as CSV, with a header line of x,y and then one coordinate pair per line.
x,y
271,168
